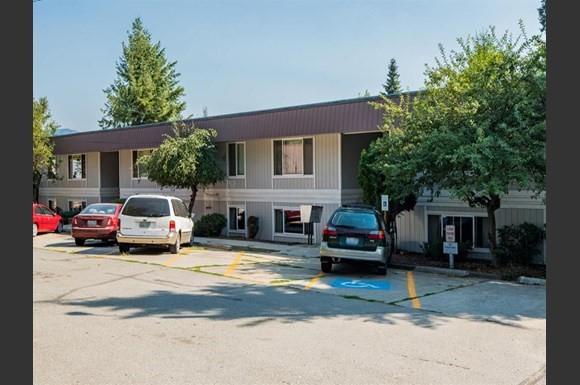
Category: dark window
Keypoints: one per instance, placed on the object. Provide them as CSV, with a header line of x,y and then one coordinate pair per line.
x,y
51,204
237,219
77,166
232,159
481,232
355,220
100,208
288,221
434,228
463,228
236,159
147,207
308,156
277,157
179,208
184,209
38,210
76,205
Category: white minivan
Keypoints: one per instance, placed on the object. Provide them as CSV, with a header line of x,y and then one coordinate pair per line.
x,y
147,220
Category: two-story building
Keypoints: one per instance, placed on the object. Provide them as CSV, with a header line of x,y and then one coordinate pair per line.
x,y
275,160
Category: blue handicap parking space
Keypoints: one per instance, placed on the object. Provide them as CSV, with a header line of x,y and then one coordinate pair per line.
x,y
365,284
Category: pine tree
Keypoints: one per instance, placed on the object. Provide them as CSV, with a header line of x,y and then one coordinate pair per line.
x,y
146,89
393,85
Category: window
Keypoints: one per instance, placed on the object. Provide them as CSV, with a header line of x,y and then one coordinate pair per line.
x,y
355,220
100,208
288,221
236,159
76,205
179,208
237,219
147,207
52,204
77,166
471,230
294,157
139,171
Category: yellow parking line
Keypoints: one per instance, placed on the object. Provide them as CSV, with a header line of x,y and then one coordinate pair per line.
x,y
171,260
412,292
313,281
232,267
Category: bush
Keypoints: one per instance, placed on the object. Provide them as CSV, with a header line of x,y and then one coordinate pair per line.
x,y
519,243
210,225
253,226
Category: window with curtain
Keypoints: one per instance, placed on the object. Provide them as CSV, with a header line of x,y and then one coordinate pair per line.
x,y
294,157
77,166
237,219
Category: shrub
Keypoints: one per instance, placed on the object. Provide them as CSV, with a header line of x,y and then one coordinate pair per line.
x,y
434,251
210,225
519,243
253,226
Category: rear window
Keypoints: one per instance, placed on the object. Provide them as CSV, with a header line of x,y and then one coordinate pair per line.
x,y
146,207
99,209
355,220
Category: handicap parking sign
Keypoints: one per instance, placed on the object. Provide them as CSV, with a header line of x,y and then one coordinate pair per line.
x,y
342,283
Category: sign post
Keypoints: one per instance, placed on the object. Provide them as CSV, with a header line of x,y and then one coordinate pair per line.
x,y
384,202
450,246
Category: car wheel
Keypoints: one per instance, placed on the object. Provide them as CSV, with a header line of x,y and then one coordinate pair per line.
x,y
124,248
34,229
382,269
325,265
79,242
59,227
174,249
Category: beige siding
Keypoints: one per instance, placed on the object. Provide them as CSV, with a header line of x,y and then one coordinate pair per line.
x,y
221,149
293,183
263,211
235,183
326,163
410,229
259,164
92,172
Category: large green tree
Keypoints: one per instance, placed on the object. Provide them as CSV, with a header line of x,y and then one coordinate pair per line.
x,y
393,84
186,160
146,89
43,128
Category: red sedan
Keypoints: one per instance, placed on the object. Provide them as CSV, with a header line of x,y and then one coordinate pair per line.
x,y
96,221
44,220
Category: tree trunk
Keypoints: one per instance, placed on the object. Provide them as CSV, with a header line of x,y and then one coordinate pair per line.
x,y
192,199
36,179
493,204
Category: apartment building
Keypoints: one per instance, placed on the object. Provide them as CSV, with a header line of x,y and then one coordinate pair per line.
x,y
275,160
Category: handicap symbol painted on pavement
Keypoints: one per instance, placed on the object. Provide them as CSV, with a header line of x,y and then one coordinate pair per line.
x,y
342,283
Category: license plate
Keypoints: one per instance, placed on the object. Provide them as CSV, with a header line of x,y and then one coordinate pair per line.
x,y
92,223
352,241
144,224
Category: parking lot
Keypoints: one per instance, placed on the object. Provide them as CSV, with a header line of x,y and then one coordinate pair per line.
x,y
216,316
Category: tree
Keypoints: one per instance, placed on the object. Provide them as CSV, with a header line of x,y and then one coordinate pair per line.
x,y
392,85
482,118
43,128
542,15
185,160
388,165
146,89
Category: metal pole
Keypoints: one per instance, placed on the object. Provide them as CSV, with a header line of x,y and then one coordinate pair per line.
x,y
451,261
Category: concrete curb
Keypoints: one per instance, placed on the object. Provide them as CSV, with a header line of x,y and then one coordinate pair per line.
x,y
442,270
531,281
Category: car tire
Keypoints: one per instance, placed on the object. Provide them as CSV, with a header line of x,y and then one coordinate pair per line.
x,y
174,249
34,229
382,269
59,227
79,242
124,248
325,265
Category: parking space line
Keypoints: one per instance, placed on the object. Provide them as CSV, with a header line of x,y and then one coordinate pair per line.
x,y
313,281
174,258
232,267
412,291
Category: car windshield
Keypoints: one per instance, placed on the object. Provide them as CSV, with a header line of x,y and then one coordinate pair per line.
x,y
99,209
147,207
355,220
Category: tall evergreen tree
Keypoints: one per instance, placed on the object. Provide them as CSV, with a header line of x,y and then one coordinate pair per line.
x,y
393,85
146,89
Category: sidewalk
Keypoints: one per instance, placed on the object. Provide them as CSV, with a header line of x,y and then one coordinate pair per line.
x,y
304,251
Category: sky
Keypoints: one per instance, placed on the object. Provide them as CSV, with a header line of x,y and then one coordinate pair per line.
x,y
246,55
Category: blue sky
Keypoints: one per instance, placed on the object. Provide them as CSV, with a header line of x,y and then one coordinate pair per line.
x,y
236,55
